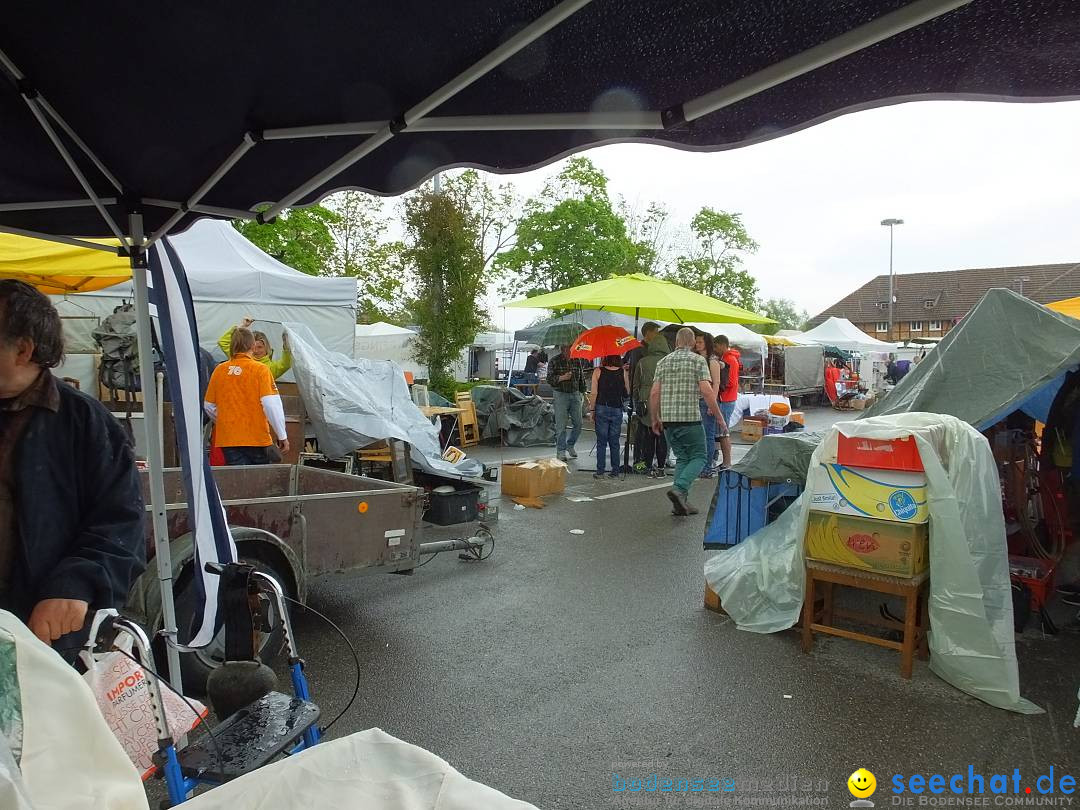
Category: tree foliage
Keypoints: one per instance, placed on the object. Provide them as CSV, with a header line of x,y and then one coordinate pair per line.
x,y
570,234
783,311
302,238
713,260
363,251
442,251
492,208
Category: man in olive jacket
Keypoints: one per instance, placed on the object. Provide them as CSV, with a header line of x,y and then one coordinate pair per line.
x,y
651,449
71,508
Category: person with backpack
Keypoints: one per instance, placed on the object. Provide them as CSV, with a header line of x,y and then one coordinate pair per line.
x,y
262,352
729,392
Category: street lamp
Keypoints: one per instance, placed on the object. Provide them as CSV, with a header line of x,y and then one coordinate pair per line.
x,y
890,224
1021,281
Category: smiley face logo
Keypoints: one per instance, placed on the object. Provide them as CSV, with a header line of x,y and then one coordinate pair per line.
x,y
862,783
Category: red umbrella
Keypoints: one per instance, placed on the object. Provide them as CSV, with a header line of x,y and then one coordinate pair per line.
x,y
600,341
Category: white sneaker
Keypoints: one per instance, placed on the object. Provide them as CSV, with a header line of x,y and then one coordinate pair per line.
x,y
561,455
570,451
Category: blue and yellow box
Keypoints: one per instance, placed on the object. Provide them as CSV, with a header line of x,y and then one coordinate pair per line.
x,y
860,492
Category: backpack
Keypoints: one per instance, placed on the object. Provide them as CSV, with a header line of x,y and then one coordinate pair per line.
x,y
119,344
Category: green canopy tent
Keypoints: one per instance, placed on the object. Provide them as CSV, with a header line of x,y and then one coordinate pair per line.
x,y
643,297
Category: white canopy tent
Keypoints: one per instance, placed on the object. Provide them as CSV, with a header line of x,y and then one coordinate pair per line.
x,y
843,334
384,341
738,334
231,278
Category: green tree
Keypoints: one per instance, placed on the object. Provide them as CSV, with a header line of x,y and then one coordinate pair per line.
x,y
442,238
492,208
300,237
783,311
713,262
650,232
570,234
363,251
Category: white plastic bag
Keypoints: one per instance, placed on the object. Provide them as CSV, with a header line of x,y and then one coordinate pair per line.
x,y
119,686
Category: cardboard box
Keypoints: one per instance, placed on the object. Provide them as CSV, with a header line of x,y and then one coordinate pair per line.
x,y
882,546
752,431
531,479
859,492
879,454
860,404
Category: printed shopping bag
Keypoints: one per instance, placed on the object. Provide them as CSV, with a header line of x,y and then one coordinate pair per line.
x,y
119,684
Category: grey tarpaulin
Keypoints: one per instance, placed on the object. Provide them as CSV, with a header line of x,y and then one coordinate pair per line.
x,y
353,403
1008,354
760,582
784,457
519,420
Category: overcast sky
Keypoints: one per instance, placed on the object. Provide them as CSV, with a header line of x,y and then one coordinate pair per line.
x,y
977,184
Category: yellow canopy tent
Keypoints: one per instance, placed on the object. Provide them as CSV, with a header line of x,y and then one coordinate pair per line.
x,y
1070,307
57,269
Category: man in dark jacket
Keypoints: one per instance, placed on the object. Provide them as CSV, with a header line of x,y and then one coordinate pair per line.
x,y
652,448
566,376
71,508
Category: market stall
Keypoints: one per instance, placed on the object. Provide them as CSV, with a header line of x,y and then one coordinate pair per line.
x,y
794,367
230,279
869,356
1024,403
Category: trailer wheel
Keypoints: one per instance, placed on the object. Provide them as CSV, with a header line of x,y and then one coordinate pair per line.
x,y
195,667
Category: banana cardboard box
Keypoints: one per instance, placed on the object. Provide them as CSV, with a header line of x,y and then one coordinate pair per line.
x,y
860,492
885,547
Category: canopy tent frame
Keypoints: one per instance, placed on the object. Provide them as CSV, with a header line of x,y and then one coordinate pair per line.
x,y
135,244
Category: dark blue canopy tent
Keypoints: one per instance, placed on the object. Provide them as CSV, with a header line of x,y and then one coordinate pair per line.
x,y
132,119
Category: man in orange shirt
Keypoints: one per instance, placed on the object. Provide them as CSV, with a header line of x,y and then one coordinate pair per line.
x,y
243,401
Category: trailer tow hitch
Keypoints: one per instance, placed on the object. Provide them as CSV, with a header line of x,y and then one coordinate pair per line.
x,y
478,547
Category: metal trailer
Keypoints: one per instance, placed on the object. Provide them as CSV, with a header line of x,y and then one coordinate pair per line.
x,y
294,523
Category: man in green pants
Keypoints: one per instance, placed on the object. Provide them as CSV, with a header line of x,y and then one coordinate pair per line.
x,y
681,379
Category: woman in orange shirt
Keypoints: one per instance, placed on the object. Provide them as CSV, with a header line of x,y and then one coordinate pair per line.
x,y
243,401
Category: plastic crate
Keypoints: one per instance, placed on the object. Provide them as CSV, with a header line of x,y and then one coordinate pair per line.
x,y
459,506
1037,574
879,454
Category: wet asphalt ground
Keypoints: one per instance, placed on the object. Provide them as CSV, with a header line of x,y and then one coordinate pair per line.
x,y
567,659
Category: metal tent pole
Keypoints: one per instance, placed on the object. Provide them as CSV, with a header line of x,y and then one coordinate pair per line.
x,y
154,455
513,359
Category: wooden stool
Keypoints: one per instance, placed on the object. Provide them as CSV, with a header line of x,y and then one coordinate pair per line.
x,y
914,590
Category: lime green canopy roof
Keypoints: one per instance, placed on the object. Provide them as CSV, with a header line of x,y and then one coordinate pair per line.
x,y
644,297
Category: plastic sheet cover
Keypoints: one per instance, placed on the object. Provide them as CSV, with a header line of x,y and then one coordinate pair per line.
x,y
760,582
518,420
352,403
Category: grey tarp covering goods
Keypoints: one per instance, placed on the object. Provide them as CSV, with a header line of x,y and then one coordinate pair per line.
x,y
804,368
519,420
760,582
1007,354
352,403
1000,358
784,457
